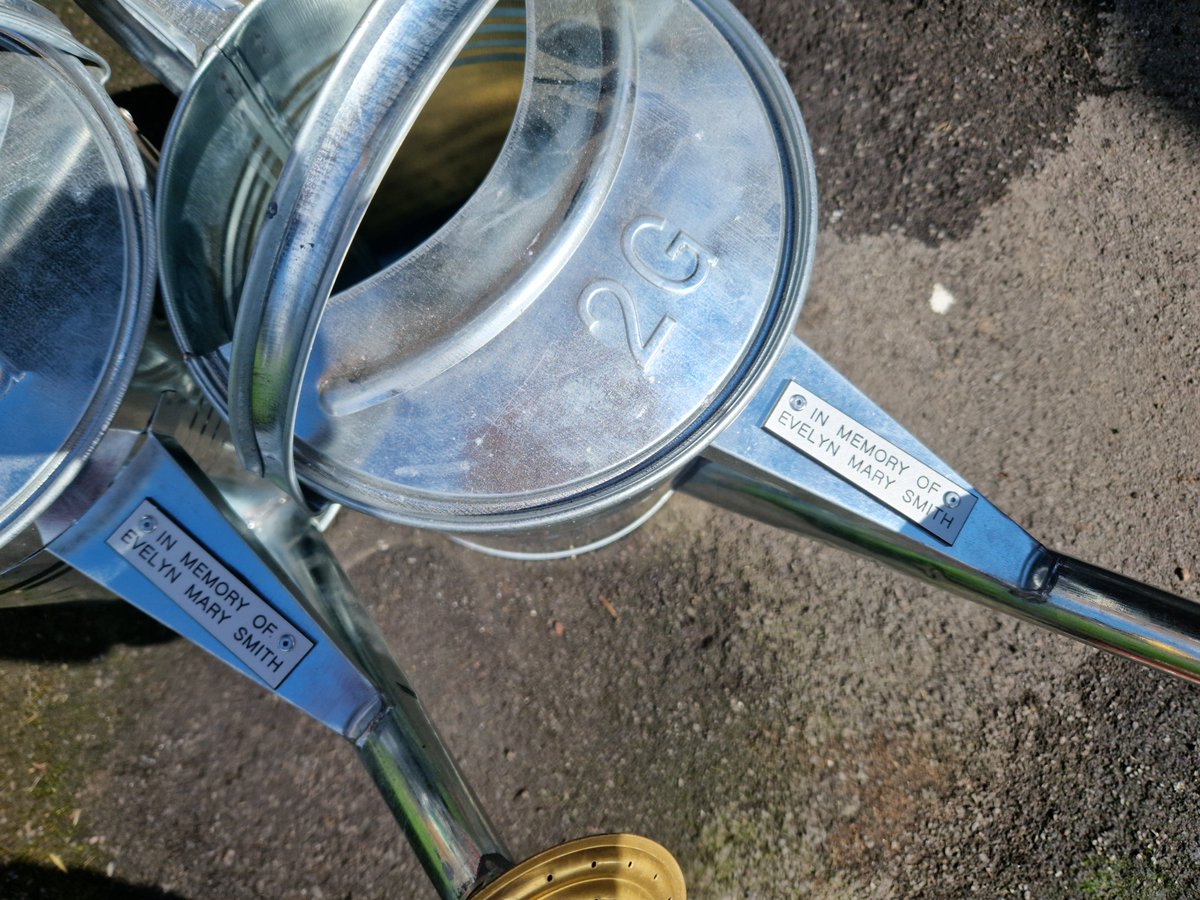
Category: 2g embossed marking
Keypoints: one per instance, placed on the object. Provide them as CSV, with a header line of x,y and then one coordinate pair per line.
x,y
678,267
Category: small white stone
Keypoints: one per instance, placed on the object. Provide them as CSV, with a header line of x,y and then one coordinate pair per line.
x,y
941,300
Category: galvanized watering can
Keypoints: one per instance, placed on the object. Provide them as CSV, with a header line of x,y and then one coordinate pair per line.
x,y
607,318
110,465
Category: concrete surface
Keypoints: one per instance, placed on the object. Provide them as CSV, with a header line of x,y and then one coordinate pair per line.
x,y
789,720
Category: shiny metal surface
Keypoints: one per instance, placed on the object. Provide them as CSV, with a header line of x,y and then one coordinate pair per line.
x,y
235,127
347,681
561,540
76,274
992,555
489,372
168,37
993,560
40,578
520,392
231,134
42,27
86,482
525,401
581,381
388,69
534,398
605,865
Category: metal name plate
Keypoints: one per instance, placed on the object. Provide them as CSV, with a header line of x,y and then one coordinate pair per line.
x,y
245,624
854,452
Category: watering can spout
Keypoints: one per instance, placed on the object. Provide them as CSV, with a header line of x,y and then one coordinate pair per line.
x,y
811,453
168,37
1125,617
248,579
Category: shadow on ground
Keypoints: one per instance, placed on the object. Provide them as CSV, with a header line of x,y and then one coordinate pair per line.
x,y
915,135
910,132
1161,37
27,881
75,632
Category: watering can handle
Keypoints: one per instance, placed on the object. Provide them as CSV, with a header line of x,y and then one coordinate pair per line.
x,y
393,61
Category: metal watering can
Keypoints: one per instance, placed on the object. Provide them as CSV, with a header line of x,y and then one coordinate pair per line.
x,y
112,466
634,337
608,318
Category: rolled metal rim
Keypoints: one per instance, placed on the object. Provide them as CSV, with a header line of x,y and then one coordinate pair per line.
x,y
594,495
116,143
263,402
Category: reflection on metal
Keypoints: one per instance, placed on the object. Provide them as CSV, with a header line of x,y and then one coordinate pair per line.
x,y
807,422
234,130
340,153
197,580
601,297
993,560
116,469
38,25
9,374
688,263
168,37
6,106
345,678
676,366
77,270
477,399
607,317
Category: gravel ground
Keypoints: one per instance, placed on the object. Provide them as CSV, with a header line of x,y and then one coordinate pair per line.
x,y
789,720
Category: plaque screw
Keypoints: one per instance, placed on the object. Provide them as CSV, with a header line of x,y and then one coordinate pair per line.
x,y
287,642
951,500
147,524
798,402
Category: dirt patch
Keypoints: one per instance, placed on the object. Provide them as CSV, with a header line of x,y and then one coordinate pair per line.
x,y
61,711
887,801
920,113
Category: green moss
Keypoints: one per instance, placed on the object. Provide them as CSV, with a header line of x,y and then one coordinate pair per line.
x,y
719,839
1128,878
58,726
